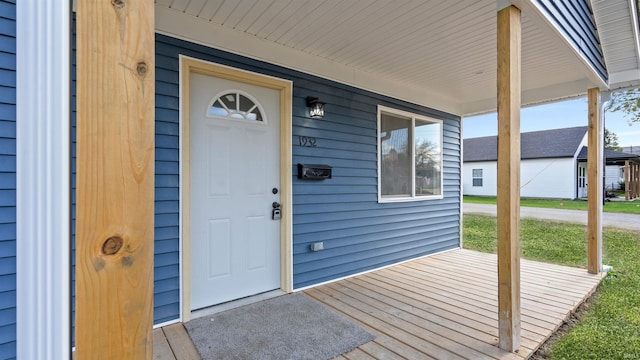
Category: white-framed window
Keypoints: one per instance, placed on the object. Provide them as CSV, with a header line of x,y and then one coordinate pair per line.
x,y
409,156
477,177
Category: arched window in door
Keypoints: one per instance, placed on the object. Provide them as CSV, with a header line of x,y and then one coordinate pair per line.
x,y
236,104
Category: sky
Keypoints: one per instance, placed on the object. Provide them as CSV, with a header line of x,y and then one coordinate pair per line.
x,y
569,113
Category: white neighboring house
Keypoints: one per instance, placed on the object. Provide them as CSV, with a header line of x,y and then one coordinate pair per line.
x,y
614,169
554,164
549,167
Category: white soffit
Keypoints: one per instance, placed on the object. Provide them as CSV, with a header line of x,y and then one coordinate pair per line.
x,y
618,30
438,53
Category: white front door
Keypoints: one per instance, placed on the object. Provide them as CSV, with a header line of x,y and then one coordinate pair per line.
x,y
235,181
582,180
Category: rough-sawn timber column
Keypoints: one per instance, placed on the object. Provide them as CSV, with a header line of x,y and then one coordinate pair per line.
x,y
594,190
115,179
508,194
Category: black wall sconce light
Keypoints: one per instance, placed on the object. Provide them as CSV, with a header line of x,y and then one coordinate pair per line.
x,y
316,107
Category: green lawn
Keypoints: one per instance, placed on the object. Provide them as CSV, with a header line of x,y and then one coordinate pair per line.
x,y
610,327
629,207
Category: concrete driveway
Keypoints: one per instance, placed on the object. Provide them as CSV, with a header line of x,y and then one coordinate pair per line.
x,y
623,221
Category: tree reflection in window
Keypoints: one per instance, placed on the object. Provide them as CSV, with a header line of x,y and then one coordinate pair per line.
x,y
236,105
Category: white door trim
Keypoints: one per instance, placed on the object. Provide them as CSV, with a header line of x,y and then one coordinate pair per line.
x,y
190,65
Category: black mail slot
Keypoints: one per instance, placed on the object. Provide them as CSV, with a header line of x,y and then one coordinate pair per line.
x,y
314,172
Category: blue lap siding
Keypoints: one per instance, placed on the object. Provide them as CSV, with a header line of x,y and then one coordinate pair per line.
x,y
575,20
7,179
359,233
167,211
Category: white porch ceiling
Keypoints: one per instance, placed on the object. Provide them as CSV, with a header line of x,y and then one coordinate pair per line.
x,y
439,53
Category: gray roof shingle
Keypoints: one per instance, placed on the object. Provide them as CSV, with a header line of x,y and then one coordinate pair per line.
x,y
609,154
612,157
556,143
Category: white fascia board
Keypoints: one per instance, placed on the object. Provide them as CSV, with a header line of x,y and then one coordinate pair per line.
x,y
545,24
624,79
43,180
184,26
582,144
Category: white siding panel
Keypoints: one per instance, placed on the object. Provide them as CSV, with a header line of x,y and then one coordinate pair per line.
x,y
258,9
548,178
539,178
243,9
210,8
179,5
612,177
223,12
166,3
194,7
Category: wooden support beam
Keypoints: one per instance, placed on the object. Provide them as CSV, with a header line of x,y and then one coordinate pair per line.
x,y
627,189
635,182
594,191
632,182
115,179
636,171
508,195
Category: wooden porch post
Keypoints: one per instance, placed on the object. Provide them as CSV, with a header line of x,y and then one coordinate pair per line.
x,y
594,173
632,181
635,182
508,195
115,179
636,171
626,180
637,187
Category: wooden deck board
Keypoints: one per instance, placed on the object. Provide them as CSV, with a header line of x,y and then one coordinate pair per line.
x,y
450,300
443,306
398,343
161,348
484,293
471,310
357,354
461,322
434,334
180,342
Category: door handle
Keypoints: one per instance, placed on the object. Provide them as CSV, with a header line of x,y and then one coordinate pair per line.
x,y
275,205
276,213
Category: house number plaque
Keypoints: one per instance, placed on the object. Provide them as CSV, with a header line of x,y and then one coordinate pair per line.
x,y
307,141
